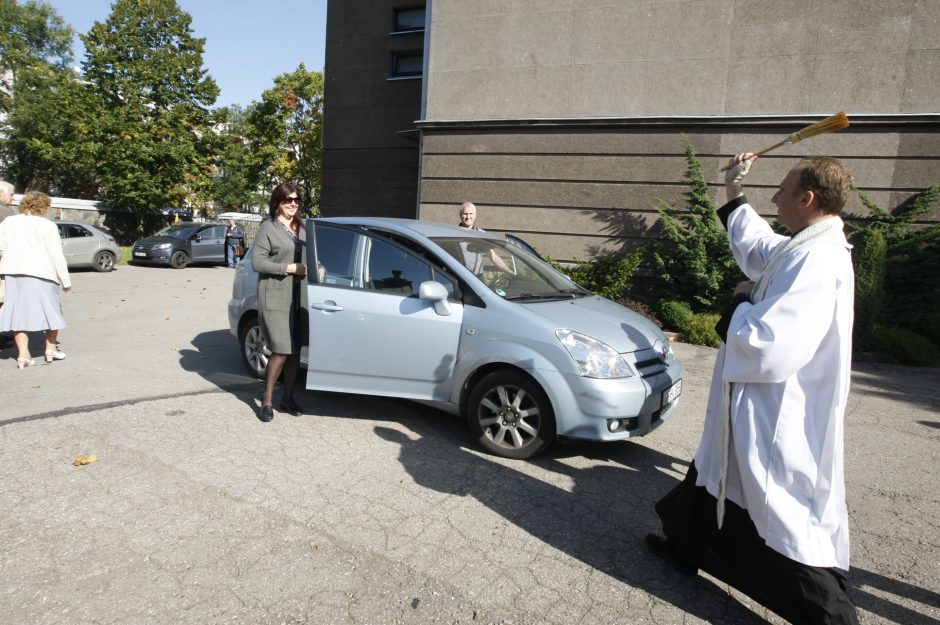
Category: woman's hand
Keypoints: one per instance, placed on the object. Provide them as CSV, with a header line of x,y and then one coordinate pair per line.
x,y
297,269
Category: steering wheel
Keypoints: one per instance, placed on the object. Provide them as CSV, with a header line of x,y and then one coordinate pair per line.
x,y
501,281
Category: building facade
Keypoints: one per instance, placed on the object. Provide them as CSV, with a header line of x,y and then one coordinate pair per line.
x,y
566,121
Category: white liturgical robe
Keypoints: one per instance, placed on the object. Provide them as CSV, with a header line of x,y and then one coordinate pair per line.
x,y
787,359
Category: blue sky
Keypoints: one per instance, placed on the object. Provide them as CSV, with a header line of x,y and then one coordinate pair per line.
x,y
248,42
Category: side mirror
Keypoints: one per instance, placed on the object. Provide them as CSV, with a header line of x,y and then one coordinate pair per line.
x,y
197,237
436,293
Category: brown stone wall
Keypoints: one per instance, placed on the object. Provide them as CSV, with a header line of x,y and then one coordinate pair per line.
x,y
573,190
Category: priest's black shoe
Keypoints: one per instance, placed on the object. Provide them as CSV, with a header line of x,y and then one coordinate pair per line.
x,y
287,405
664,549
266,413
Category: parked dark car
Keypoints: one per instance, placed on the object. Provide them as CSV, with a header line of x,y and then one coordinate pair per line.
x,y
184,214
181,244
85,245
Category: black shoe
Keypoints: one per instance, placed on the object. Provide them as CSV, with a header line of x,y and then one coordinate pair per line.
x,y
661,547
287,405
266,413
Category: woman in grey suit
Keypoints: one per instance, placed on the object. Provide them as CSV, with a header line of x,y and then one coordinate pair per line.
x,y
278,257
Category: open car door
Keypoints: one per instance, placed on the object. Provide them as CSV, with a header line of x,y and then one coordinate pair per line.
x,y
382,319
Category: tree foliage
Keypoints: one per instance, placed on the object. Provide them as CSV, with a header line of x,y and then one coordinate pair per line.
x,y
285,134
694,262
145,67
33,38
235,182
910,252
52,144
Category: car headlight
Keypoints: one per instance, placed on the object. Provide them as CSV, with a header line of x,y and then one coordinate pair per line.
x,y
162,246
594,358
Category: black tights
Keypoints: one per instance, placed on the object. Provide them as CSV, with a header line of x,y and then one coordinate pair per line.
x,y
288,363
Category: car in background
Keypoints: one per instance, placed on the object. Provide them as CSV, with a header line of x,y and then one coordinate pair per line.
x,y
85,245
473,324
181,244
183,214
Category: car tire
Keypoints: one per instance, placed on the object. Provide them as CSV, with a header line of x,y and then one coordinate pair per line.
x,y
103,262
511,415
255,352
179,260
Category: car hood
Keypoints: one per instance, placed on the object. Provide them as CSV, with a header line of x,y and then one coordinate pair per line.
x,y
602,319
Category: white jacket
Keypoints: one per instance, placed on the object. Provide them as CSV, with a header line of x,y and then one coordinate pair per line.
x,y
30,246
788,360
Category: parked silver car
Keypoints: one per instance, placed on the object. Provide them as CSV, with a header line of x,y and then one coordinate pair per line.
x,y
85,245
475,325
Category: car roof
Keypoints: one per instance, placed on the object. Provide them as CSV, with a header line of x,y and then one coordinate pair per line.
x,y
429,229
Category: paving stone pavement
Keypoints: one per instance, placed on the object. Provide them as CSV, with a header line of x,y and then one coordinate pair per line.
x,y
374,511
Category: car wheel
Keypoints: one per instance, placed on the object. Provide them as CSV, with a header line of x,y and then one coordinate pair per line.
x,y
179,260
255,352
511,415
103,261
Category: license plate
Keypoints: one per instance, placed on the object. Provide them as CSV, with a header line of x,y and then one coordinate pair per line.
x,y
140,253
672,393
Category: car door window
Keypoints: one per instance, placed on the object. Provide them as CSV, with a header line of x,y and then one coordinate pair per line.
x,y
71,231
336,254
218,232
393,269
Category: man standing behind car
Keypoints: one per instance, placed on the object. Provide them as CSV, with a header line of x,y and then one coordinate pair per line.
x,y
762,506
234,239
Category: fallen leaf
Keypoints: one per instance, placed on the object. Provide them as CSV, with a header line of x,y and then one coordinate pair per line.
x,y
85,459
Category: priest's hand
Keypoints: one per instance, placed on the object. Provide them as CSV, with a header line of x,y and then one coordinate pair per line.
x,y
739,165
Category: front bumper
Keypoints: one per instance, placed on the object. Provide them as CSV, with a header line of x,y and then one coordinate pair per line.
x,y
157,257
584,407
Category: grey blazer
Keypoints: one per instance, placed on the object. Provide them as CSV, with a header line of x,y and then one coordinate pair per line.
x,y
273,252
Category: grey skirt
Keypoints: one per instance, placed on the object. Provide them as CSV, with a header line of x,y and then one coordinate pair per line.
x,y
31,304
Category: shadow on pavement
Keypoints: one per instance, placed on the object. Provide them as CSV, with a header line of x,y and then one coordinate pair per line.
x,y
601,522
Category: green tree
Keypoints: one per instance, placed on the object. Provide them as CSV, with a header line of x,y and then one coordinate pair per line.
x,y
51,144
285,134
694,261
32,37
235,182
156,131
911,272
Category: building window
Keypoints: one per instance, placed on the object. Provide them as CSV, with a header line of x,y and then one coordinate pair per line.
x,y
406,65
408,20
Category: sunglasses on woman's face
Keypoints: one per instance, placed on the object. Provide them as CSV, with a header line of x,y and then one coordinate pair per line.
x,y
290,200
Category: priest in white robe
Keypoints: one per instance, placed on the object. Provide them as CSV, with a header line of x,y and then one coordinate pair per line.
x,y
763,505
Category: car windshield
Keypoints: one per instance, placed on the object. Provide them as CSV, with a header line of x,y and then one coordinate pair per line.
x,y
177,231
510,271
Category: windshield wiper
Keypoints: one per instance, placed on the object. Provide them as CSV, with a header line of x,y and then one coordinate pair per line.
x,y
539,296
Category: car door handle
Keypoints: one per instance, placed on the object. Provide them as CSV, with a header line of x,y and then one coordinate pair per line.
x,y
327,306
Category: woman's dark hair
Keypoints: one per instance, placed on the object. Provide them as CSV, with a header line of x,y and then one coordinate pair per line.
x,y
279,194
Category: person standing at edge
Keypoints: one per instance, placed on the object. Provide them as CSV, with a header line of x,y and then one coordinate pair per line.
x,y
6,198
762,506
278,257
234,239
33,267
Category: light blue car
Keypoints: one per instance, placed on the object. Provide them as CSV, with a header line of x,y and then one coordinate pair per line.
x,y
477,326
